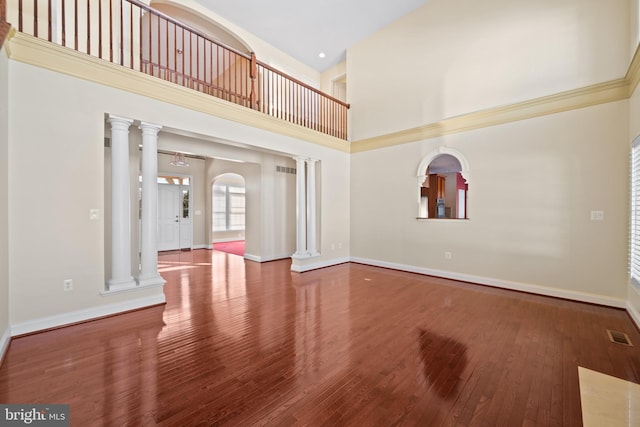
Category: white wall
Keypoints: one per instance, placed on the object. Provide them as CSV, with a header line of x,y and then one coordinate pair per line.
x,y
532,185
4,201
57,175
634,132
450,58
634,26
279,209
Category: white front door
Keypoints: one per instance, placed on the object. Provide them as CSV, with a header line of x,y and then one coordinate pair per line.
x,y
169,202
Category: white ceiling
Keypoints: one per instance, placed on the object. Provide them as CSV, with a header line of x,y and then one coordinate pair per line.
x,y
303,29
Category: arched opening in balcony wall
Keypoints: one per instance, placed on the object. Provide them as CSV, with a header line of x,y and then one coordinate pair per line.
x,y
184,47
203,24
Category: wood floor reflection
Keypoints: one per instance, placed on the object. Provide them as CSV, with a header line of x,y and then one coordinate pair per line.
x,y
243,343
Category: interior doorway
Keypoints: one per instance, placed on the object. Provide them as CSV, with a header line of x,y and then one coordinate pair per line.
x,y
175,222
228,208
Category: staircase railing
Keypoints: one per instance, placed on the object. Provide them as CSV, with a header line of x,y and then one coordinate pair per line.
x,y
136,36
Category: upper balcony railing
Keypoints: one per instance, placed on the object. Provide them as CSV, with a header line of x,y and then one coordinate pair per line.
x,y
133,35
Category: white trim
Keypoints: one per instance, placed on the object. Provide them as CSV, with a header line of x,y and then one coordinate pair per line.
x,y
5,341
504,284
441,220
251,257
426,161
72,317
136,287
328,263
635,314
203,246
257,258
277,257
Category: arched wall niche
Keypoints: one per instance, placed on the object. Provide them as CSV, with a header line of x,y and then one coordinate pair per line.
x,y
443,184
203,24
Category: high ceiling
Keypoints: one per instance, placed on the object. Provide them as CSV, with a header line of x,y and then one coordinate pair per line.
x,y
304,29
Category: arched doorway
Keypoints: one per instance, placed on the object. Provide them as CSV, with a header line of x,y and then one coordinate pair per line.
x,y
228,212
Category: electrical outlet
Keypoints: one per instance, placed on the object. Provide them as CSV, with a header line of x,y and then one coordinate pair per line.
x,y
447,255
597,215
67,285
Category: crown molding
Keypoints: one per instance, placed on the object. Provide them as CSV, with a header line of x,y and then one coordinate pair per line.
x,y
41,53
31,50
601,93
570,100
633,72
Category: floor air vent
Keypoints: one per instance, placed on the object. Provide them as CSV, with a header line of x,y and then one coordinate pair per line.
x,y
619,337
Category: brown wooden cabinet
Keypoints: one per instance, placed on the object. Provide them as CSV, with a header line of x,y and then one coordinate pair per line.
x,y
435,193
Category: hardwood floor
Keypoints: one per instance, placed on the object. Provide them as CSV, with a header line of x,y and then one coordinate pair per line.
x,y
242,343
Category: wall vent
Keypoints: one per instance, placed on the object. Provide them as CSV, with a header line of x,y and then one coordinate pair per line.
x,y
285,169
619,337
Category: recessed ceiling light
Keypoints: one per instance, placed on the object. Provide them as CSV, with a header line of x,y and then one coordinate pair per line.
x,y
322,55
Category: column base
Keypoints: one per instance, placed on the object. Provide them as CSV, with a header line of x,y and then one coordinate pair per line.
x,y
301,255
121,284
150,280
305,255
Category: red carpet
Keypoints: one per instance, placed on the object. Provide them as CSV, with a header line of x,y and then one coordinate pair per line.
x,y
236,247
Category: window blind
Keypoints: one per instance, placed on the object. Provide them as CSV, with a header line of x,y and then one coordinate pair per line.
x,y
634,261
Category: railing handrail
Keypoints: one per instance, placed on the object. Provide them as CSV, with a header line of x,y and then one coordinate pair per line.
x,y
303,84
208,65
248,56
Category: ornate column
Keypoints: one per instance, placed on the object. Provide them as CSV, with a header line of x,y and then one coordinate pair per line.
x,y
312,221
149,275
120,206
301,211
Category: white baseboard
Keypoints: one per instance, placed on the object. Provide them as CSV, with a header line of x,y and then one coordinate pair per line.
x,y
635,315
317,265
203,246
4,342
257,258
49,322
251,257
504,284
